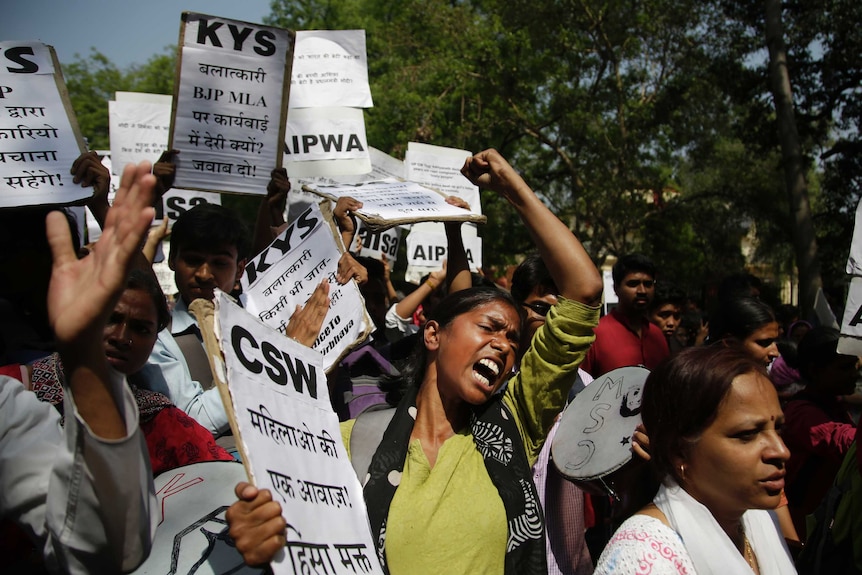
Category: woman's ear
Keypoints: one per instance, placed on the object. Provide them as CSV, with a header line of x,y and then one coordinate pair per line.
x,y
431,335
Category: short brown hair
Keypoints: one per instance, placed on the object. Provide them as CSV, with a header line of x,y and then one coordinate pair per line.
x,y
682,397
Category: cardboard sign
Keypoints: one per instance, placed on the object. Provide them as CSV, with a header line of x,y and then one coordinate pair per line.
x,y
39,135
291,444
286,273
230,103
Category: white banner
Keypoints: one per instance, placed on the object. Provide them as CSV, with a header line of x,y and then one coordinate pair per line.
x,y
286,273
39,138
292,442
330,68
230,105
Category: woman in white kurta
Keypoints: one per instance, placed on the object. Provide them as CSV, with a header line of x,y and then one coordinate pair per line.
x,y
714,424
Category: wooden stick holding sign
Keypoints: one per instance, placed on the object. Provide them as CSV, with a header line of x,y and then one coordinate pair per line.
x,y
391,202
290,440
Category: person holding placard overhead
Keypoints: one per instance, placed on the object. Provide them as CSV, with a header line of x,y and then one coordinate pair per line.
x,y
450,483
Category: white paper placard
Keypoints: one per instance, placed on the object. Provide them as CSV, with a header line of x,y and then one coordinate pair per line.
x,y
286,273
326,141
292,441
392,201
854,262
374,244
39,137
428,249
230,104
177,201
851,324
330,68
440,168
140,125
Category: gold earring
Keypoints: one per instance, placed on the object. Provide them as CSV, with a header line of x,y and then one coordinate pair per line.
x,y
682,472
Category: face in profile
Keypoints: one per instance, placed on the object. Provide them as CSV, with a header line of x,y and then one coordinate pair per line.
x,y
761,343
131,331
738,462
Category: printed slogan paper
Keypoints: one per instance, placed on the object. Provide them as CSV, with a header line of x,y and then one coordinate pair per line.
x,y
39,136
230,104
330,68
391,202
140,125
286,273
292,445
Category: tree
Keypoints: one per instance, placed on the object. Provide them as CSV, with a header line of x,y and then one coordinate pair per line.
x,y
804,241
94,80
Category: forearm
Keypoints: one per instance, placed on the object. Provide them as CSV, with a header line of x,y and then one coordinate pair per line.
x,y
567,261
411,302
98,400
457,267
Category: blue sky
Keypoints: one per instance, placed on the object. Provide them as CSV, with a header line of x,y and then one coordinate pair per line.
x,y
127,32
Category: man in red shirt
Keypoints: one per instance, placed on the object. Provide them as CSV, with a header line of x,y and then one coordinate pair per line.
x,y
625,337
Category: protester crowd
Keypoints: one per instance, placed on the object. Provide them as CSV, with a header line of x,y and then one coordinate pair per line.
x,y
745,420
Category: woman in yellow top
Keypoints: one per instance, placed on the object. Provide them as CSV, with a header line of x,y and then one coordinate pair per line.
x,y
450,482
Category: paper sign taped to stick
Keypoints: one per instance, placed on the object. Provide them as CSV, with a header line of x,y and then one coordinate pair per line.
x,y
39,135
230,104
391,202
291,442
286,273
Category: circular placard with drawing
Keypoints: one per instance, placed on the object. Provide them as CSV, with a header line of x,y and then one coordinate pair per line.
x,y
192,536
592,446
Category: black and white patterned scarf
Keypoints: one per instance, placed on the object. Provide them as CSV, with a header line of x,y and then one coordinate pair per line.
x,y
496,436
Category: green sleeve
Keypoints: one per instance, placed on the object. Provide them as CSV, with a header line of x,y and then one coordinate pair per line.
x,y
538,392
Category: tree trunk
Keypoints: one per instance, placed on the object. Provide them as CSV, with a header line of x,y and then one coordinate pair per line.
x,y
804,240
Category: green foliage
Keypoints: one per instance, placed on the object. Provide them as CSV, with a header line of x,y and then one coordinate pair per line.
x,y
645,126
93,81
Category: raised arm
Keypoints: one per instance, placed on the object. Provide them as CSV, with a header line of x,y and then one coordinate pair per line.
x,y
82,294
270,213
99,503
568,263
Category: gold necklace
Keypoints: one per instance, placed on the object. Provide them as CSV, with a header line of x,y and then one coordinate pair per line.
x,y
748,553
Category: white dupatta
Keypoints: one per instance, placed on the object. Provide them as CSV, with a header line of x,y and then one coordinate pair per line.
x,y
711,550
